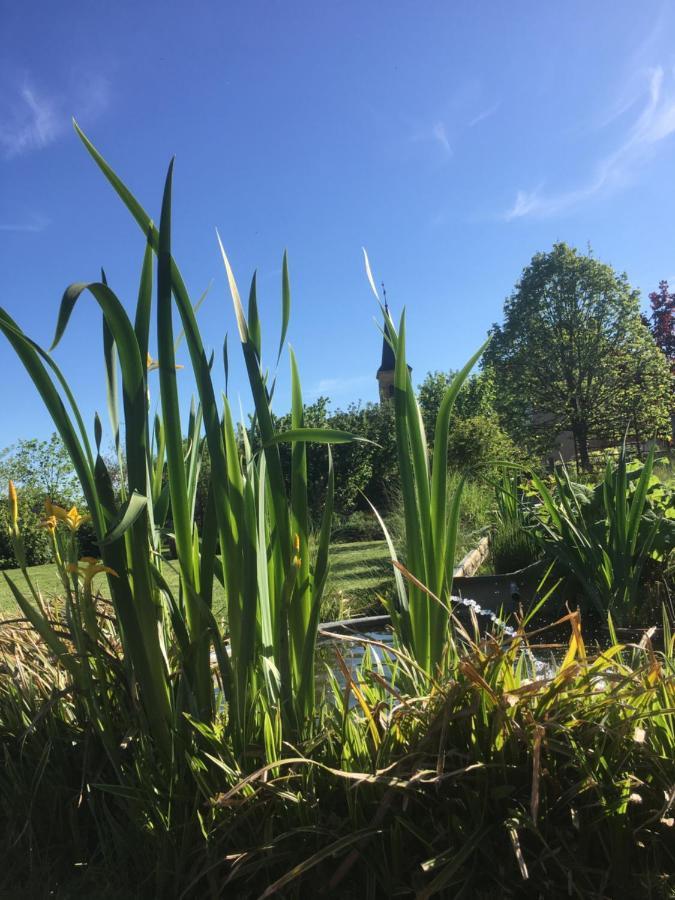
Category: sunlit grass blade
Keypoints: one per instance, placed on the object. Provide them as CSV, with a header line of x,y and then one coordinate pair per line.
x,y
299,612
254,319
181,511
285,303
144,304
308,435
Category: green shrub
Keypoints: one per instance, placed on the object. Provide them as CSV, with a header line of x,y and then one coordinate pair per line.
x,y
87,541
512,548
478,445
492,741
362,469
359,526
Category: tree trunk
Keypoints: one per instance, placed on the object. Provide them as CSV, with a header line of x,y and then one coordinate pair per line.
x,y
580,432
638,441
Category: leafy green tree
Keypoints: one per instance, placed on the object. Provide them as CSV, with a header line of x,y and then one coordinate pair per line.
x,y
476,398
476,441
641,400
315,416
40,469
43,468
362,469
565,357
366,469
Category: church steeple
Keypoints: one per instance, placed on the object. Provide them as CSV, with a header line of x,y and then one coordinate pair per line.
x,y
385,374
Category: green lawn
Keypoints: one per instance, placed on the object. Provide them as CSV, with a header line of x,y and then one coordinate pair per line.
x,y
48,583
358,573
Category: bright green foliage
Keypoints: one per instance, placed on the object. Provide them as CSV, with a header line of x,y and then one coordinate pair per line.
x,y
366,470
512,548
476,397
40,470
640,402
604,535
478,446
266,539
477,443
36,540
509,499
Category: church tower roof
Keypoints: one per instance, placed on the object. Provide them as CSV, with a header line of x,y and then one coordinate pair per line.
x,y
388,359
388,363
386,372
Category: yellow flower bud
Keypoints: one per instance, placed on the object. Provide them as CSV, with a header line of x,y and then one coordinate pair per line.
x,y
296,542
13,507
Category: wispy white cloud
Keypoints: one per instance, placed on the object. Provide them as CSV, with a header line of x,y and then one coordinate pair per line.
x,y
339,387
444,127
638,66
440,135
32,119
439,218
484,114
525,203
34,225
32,124
436,133
655,123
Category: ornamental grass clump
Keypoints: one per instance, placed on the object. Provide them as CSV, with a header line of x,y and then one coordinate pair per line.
x,y
505,779
603,536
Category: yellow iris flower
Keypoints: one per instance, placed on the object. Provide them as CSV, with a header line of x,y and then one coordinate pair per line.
x,y
89,566
152,364
50,524
71,517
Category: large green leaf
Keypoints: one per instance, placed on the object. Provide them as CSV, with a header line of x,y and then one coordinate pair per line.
x,y
313,436
131,510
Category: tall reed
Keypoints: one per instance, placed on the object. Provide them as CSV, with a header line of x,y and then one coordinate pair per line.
x,y
255,537
421,610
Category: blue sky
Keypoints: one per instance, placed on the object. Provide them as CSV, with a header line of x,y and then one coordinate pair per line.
x,y
453,140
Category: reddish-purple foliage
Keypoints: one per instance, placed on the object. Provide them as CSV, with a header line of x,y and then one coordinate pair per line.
x,y
662,322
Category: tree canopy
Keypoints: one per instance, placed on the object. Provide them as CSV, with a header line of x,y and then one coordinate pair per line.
x,y
476,397
42,468
574,354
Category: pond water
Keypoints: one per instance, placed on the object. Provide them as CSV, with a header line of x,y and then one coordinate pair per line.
x,y
545,651
350,637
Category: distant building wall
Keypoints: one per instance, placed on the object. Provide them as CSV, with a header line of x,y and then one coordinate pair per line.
x,y
385,383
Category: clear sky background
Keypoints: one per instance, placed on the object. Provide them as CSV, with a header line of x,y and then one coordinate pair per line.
x,y
452,139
